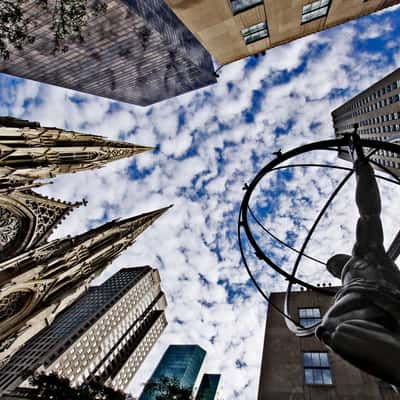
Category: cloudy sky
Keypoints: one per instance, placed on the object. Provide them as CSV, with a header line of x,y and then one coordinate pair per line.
x,y
208,144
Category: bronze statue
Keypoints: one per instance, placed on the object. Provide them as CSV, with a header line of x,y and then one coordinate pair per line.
x,y
363,325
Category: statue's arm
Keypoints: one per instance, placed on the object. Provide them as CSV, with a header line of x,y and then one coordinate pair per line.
x,y
369,234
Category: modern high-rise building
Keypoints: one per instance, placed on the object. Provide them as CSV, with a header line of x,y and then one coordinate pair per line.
x,y
234,29
210,387
183,363
137,51
104,336
302,368
376,112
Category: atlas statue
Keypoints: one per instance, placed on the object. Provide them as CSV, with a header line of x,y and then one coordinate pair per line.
x,y
363,324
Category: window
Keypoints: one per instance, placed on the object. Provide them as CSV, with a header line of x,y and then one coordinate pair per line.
x,y
317,370
309,316
242,5
255,32
314,10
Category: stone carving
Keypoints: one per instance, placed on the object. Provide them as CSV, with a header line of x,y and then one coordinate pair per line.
x,y
39,152
10,224
13,303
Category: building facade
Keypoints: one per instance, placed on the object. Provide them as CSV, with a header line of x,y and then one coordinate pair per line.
x,y
182,363
301,368
234,29
104,336
137,51
376,111
210,387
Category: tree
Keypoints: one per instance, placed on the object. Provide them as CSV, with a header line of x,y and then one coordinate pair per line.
x,y
167,388
53,387
69,18
13,27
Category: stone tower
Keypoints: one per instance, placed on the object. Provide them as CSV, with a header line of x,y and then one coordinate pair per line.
x,y
29,152
38,278
40,283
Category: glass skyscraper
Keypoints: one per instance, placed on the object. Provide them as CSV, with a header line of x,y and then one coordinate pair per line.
x,y
138,52
209,387
182,363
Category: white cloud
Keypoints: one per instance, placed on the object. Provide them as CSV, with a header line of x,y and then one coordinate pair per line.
x,y
198,235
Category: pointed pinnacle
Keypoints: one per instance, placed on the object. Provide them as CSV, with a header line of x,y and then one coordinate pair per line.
x,y
83,203
142,149
154,214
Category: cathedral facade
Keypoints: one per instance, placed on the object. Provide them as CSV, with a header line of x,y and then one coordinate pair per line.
x,y
40,278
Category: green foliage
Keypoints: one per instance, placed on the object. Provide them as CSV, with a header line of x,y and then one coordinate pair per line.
x,y
168,389
53,387
69,18
13,27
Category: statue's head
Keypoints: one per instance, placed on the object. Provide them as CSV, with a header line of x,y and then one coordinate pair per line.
x,y
336,264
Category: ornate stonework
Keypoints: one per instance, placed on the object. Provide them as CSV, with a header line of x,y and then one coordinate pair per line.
x,y
10,224
38,279
36,152
52,273
27,219
13,303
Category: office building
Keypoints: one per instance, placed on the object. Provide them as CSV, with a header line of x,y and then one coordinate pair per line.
x,y
40,283
376,111
210,387
182,363
234,29
137,51
104,336
302,368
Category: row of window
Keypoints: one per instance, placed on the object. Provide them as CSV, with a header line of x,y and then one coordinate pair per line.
x,y
386,163
377,105
382,118
380,129
310,12
243,5
106,329
129,369
378,93
255,32
371,97
309,316
317,369
316,365
314,10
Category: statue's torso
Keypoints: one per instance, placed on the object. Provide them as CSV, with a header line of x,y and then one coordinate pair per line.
x,y
372,276
371,270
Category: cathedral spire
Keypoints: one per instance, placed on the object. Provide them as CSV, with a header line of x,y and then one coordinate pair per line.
x,y
40,283
29,152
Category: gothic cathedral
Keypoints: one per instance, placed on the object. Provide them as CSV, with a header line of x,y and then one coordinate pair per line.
x,y
40,278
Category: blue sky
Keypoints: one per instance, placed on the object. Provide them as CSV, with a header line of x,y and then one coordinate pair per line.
x,y
208,144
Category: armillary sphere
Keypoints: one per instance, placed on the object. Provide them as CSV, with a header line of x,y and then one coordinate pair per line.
x,y
246,214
